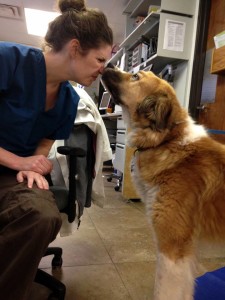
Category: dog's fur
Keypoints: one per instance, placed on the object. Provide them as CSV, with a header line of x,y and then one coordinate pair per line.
x,y
179,173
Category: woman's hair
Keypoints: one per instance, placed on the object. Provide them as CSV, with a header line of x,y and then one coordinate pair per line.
x,y
76,21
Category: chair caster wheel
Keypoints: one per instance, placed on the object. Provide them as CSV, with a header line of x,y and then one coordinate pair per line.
x,y
57,262
109,179
56,296
117,188
52,297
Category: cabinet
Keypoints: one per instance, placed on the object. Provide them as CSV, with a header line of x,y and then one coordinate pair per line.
x,y
123,156
119,160
158,33
218,61
173,27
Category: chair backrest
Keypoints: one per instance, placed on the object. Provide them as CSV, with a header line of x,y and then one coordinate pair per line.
x,y
80,152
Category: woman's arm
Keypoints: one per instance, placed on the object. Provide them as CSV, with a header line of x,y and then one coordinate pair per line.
x,y
30,168
44,147
36,163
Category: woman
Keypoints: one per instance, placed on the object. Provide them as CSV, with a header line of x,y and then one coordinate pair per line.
x,y
37,106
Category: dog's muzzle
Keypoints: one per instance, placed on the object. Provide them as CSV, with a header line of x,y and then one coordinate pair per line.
x,y
111,80
110,66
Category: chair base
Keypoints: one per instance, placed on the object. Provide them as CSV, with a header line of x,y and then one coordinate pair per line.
x,y
119,180
57,259
57,287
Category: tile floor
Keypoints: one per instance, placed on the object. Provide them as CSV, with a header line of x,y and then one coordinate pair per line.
x,y
112,255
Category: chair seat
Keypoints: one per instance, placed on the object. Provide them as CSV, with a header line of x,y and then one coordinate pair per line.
x,y
61,196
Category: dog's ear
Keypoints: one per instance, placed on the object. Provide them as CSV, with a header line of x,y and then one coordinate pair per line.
x,y
156,110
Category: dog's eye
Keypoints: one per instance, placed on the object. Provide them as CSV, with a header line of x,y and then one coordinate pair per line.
x,y
135,77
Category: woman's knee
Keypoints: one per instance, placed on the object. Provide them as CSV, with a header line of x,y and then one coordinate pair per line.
x,y
44,207
35,207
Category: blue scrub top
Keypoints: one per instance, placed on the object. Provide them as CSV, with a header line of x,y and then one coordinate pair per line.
x,y
23,119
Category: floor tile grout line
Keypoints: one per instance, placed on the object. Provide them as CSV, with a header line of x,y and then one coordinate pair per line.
x,y
122,281
115,264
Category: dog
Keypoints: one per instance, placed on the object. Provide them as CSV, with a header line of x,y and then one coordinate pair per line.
x,y
178,171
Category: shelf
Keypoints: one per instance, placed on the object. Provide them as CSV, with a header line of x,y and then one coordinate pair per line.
x,y
116,57
156,63
148,24
130,7
218,61
141,9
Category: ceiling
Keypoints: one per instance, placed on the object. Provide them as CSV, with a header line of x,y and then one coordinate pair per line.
x,y
14,29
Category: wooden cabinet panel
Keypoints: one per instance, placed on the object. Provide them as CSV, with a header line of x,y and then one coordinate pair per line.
x,y
218,61
216,22
213,116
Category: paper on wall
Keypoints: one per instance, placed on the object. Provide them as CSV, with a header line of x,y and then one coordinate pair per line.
x,y
174,35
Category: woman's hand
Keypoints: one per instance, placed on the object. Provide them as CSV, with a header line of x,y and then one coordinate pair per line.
x,y
33,177
37,163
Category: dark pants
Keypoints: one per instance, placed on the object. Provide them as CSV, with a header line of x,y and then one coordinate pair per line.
x,y
29,221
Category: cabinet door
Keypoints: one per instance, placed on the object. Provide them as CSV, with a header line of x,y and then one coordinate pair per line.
x,y
179,6
129,191
213,114
119,161
175,36
121,137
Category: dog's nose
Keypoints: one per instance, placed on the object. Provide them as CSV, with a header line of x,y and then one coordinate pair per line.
x,y
110,65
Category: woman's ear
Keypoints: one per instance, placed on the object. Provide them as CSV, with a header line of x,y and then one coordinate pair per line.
x,y
74,46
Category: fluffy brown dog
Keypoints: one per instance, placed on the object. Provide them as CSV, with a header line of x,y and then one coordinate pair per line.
x,y
179,173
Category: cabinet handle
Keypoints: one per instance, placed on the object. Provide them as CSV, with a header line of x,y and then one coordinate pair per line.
x,y
121,147
202,107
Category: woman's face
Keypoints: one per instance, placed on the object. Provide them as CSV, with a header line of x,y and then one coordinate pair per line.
x,y
86,68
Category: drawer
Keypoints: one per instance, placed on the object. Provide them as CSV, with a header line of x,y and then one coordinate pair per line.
x,y
120,136
110,124
119,160
120,123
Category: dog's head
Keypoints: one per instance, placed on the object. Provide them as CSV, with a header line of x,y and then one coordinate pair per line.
x,y
151,102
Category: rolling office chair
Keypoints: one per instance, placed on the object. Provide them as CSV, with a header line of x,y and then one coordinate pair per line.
x,y
79,150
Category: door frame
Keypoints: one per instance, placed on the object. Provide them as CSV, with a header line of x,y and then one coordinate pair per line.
x,y
199,57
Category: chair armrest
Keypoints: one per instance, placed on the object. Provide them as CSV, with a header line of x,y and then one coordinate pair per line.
x,y
79,151
72,153
66,150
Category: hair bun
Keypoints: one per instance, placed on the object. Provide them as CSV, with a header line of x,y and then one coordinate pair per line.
x,y
66,5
